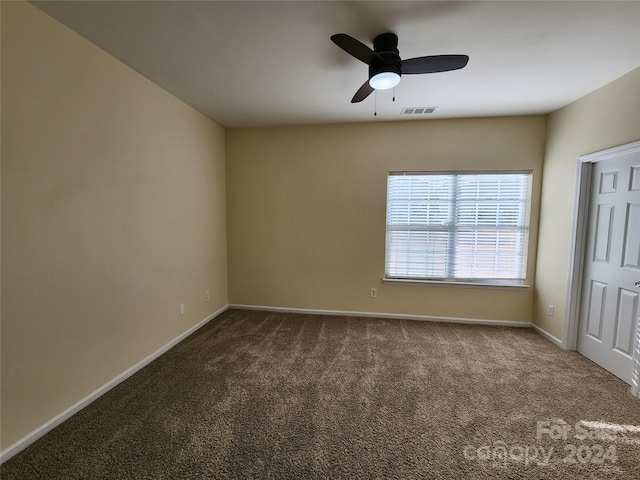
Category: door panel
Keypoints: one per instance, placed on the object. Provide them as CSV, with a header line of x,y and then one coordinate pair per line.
x,y
609,182
625,325
632,238
610,301
635,178
604,226
596,309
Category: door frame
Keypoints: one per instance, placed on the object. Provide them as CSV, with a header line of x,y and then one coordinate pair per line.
x,y
578,246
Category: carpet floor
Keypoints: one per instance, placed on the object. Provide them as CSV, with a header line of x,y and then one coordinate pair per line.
x,y
278,395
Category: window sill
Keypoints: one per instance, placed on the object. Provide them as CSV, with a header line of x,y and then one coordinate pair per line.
x,y
500,284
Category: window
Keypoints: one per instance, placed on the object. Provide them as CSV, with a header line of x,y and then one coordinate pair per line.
x,y
458,226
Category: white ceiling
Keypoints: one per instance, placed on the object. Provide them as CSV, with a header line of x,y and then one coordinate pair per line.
x,y
263,63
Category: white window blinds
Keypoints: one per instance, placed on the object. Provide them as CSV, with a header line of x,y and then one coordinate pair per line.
x,y
457,226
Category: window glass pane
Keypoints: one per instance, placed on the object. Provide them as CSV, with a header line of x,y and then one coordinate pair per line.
x,y
457,225
417,253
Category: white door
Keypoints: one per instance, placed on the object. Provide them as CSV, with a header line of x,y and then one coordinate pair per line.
x,y
610,298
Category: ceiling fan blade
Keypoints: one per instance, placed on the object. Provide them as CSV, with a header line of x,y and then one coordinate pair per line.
x,y
363,92
433,64
355,48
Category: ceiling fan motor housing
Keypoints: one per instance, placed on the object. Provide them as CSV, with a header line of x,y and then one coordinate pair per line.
x,y
386,46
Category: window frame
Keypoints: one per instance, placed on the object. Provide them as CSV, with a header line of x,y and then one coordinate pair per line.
x,y
467,282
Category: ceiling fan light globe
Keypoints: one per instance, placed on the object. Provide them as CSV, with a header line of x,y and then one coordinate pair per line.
x,y
384,80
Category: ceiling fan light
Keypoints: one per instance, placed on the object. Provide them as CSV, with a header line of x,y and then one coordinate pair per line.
x,y
384,80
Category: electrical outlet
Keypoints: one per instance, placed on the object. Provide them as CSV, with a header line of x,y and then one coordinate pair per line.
x,y
207,296
182,309
373,293
550,310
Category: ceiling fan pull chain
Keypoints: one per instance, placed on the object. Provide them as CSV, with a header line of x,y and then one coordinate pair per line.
x,y
375,103
394,95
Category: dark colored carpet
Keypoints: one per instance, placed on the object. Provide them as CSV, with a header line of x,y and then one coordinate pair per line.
x,y
272,395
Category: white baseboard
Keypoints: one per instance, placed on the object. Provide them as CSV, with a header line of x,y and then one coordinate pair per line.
x,y
547,335
30,438
27,440
401,316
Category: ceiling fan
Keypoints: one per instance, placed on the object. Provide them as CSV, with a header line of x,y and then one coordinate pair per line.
x,y
385,65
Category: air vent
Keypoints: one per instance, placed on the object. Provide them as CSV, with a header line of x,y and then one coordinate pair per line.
x,y
418,110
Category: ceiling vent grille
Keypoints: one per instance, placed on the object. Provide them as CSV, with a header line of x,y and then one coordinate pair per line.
x,y
418,110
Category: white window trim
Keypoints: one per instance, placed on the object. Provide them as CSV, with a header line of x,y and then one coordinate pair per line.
x,y
498,284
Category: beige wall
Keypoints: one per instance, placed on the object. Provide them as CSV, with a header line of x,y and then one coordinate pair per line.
x,y
306,211
113,214
605,118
